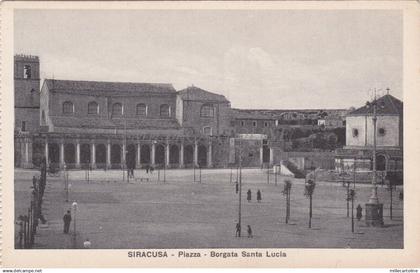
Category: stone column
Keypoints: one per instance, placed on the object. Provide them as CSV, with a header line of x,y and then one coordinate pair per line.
x,y
181,155
209,155
152,154
138,163
93,155
26,153
167,154
62,154
108,154
124,154
195,153
271,156
261,155
77,154
46,153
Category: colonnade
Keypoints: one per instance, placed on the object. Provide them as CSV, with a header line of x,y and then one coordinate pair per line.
x,y
155,154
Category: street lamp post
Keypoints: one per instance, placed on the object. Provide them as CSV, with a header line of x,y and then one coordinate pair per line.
x,y
351,197
374,209
348,198
309,190
240,188
74,206
286,192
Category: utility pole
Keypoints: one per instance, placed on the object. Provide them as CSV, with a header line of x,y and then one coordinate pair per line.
x,y
240,188
352,194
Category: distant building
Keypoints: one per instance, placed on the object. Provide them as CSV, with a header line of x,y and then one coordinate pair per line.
x,y
359,137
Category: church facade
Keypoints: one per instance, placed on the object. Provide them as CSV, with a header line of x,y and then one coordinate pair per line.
x,y
81,124
358,152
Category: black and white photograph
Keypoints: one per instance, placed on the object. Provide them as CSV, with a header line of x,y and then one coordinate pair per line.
x,y
208,129
216,133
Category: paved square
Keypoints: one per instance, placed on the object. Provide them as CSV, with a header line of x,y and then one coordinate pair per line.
x,y
185,214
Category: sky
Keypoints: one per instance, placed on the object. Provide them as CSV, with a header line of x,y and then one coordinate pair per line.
x,y
258,59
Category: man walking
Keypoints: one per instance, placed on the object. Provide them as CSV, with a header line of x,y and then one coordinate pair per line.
x,y
67,220
238,230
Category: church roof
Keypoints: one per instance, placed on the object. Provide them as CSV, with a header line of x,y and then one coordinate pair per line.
x,y
90,87
387,105
195,93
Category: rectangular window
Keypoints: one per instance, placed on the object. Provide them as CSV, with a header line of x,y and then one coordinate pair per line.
x,y
242,123
254,123
23,127
266,124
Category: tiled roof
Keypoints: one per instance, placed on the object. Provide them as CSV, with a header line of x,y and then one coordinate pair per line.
x,y
195,93
387,105
96,86
86,122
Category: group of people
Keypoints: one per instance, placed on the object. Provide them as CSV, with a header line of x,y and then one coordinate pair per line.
x,y
249,193
249,198
238,231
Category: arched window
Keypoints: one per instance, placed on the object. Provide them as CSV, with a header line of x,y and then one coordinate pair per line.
x,y
207,111
207,131
93,108
117,110
355,132
141,109
27,72
68,107
164,110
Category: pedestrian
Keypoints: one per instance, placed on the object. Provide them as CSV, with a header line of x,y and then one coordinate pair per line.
x,y
249,231
401,196
67,220
151,169
236,187
248,195
34,182
259,196
359,212
87,244
238,230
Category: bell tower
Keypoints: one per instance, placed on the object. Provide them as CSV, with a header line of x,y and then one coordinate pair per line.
x,y
27,91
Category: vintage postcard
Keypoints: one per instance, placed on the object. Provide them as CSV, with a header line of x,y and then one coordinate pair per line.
x,y
217,134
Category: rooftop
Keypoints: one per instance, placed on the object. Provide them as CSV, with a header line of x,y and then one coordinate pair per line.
x,y
196,93
387,105
100,86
